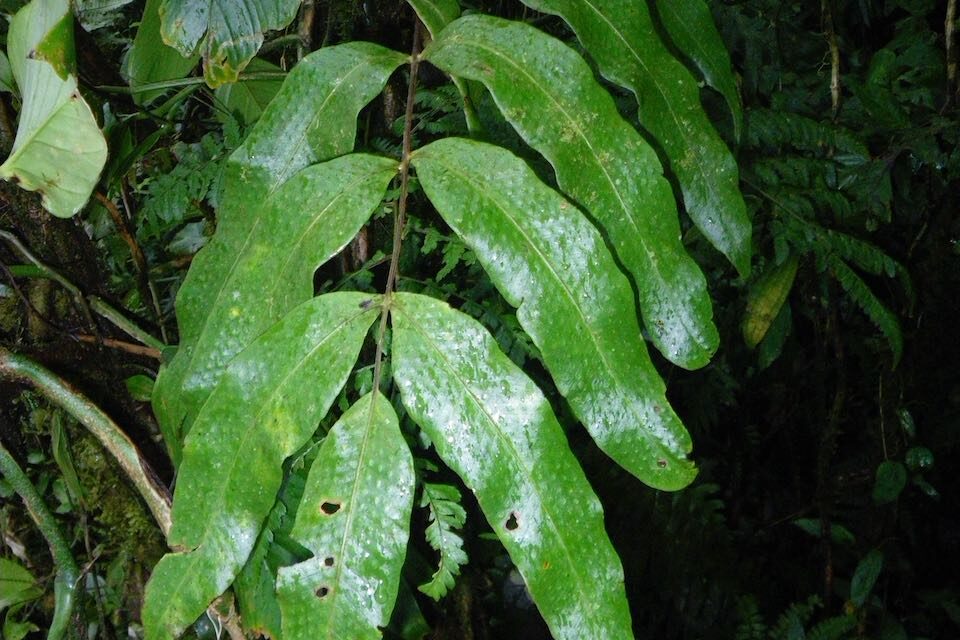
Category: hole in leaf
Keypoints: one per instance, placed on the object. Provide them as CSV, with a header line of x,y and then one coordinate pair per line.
x,y
328,561
512,523
322,591
662,464
329,507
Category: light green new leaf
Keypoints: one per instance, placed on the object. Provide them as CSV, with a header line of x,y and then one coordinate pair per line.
x,y
355,519
151,60
229,32
495,429
549,95
59,149
693,30
312,119
17,585
245,283
549,261
267,405
622,39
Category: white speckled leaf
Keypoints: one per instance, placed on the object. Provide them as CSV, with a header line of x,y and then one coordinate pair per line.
x,y
312,119
355,519
267,405
495,429
621,37
549,95
549,261
229,32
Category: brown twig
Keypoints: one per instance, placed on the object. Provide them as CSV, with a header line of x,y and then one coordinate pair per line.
x,y
827,16
129,347
401,209
949,29
308,14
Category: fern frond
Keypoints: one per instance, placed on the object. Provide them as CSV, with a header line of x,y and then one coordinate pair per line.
x,y
767,128
792,622
446,514
751,626
864,298
833,628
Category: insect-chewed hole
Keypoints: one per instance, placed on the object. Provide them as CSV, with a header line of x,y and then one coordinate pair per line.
x,y
328,561
322,591
329,507
512,523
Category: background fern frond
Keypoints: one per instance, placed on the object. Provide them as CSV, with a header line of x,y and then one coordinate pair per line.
x,y
445,515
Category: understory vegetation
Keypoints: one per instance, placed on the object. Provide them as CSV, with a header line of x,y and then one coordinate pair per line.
x,y
494,319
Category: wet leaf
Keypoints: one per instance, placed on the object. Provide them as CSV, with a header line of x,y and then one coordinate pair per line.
x,y
549,95
436,14
59,149
267,405
622,39
227,33
355,519
494,428
312,119
552,264
245,282
692,29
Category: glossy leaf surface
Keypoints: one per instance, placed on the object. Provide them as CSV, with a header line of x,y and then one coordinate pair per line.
x,y
436,14
59,149
622,39
312,119
267,405
552,264
150,59
355,519
549,95
692,29
229,32
495,429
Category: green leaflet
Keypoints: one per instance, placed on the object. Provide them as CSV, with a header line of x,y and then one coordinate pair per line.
x,y
151,60
312,118
549,261
229,32
621,37
436,14
692,29
766,298
494,428
549,95
267,405
246,283
355,518
59,149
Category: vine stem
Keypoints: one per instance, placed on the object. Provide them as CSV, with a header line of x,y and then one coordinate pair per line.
x,y
68,573
401,213
19,368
